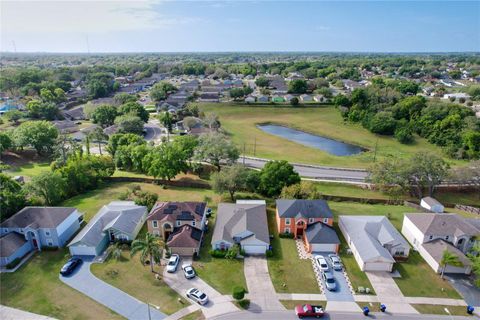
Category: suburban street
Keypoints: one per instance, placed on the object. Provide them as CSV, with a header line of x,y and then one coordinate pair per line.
x,y
290,315
154,131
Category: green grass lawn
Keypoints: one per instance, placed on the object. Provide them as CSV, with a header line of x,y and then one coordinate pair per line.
x,y
291,304
416,271
288,272
35,287
197,315
29,170
129,275
240,122
439,309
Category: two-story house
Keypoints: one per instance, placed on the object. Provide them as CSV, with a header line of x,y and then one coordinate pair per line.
x,y
180,224
310,220
433,233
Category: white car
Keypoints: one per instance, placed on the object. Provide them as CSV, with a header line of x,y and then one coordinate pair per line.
x,y
197,296
188,271
321,263
173,263
336,263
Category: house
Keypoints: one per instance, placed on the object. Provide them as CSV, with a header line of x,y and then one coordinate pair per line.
x,y
459,95
278,99
351,85
374,241
320,237
262,98
288,97
35,228
250,99
433,233
209,97
305,98
180,224
319,98
243,223
432,204
116,221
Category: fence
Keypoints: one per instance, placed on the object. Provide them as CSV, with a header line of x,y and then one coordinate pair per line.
x,y
182,183
468,208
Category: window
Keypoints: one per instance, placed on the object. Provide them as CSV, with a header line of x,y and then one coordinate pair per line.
x,y
47,233
287,230
446,238
400,253
193,223
179,223
311,220
325,220
431,237
287,221
49,242
155,224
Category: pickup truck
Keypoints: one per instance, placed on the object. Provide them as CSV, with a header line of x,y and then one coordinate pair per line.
x,y
307,310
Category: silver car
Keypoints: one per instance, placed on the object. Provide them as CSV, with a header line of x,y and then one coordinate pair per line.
x,y
197,296
188,271
173,263
329,281
321,263
336,263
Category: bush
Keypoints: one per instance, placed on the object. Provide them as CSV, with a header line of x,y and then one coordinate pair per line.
x,y
269,253
244,304
238,293
218,253
286,235
361,290
232,252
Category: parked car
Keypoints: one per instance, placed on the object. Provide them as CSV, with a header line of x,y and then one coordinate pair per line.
x,y
188,271
197,296
321,263
329,281
173,263
336,263
307,310
70,266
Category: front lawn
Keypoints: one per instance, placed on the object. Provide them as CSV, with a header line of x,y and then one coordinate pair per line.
x,y
35,287
129,275
439,309
197,315
288,272
291,304
419,280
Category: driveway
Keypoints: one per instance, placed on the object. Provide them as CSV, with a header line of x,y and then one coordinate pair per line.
x,y
463,284
261,292
218,303
342,293
115,299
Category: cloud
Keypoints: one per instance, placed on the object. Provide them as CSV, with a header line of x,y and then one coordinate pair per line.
x,y
322,28
36,17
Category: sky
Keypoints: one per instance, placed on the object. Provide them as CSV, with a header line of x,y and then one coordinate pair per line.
x,y
213,26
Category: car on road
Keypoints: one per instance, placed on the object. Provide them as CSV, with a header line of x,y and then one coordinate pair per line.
x,y
197,296
336,263
173,263
307,310
70,266
188,271
321,263
329,281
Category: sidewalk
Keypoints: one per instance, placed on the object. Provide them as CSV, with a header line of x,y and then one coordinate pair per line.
x,y
183,312
7,313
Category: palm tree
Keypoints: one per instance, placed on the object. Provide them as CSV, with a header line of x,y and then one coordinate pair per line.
x,y
150,247
115,250
449,258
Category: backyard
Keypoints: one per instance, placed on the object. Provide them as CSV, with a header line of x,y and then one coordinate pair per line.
x,y
240,122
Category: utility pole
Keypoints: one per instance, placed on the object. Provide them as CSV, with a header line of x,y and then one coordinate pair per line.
x,y
244,154
375,154
254,146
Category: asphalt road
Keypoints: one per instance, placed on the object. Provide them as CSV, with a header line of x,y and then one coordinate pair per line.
x,y
290,315
316,172
154,131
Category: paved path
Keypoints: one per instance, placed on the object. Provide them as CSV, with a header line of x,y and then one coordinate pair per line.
x,y
115,299
153,130
218,303
183,312
7,313
261,292
388,292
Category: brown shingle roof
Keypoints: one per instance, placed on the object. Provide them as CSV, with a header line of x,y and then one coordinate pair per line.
x,y
185,237
441,223
173,211
11,243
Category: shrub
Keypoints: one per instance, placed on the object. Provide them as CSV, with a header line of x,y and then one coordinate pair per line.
x,y
367,290
244,304
361,290
232,252
218,253
269,253
238,293
286,235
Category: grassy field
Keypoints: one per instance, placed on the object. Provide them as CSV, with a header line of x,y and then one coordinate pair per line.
x,y
35,287
197,315
288,272
240,122
129,275
438,309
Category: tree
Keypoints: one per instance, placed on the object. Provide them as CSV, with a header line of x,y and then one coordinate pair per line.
x,y
150,247
123,139
12,197
123,98
297,86
104,115
167,121
275,175
13,115
449,258
165,161
211,121
41,135
161,90
262,82
215,148
294,101
98,136
382,123
302,190
237,93
129,124
231,179
50,186
404,135
134,108
39,109
474,256
469,174
5,141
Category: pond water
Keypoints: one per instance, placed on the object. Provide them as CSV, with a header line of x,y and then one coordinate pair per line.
x,y
331,146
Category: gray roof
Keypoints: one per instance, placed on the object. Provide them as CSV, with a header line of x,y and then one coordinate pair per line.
x,y
437,247
11,243
38,217
247,219
431,201
303,209
442,224
370,234
319,232
123,216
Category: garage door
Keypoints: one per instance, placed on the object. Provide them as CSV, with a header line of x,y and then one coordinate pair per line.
x,y
378,266
82,251
251,249
324,247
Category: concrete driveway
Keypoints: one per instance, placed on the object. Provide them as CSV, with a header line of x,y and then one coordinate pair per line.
x,y
261,292
115,299
464,285
218,303
342,293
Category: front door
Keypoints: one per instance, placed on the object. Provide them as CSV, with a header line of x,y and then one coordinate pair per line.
x,y
299,232
35,244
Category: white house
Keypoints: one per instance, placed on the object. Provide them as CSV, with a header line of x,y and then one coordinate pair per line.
x,y
305,98
374,241
432,204
250,99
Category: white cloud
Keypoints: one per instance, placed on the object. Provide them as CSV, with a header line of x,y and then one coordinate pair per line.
x,y
322,28
37,17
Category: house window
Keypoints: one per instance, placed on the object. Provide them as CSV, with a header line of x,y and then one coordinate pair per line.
x,y
47,233
193,223
311,220
325,220
49,242
400,253
287,230
446,238
155,224
431,237
156,232
179,223
287,221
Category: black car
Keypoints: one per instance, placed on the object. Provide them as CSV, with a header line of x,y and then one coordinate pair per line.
x,y
70,266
